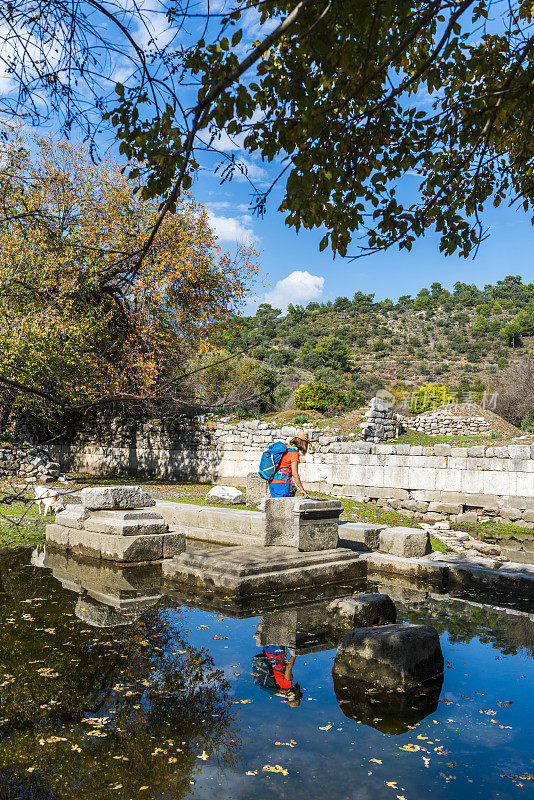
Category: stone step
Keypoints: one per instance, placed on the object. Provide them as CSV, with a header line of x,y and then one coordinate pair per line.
x,y
217,537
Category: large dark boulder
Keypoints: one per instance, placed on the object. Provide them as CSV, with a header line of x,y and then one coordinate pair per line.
x,y
362,610
401,657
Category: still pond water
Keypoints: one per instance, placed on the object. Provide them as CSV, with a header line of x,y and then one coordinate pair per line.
x,y
109,689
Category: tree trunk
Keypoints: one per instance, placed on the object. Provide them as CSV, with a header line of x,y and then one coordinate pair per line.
x,y
7,401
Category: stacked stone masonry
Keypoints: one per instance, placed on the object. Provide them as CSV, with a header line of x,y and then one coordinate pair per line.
x,y
380,424
114,523
445,422
434,483
33,465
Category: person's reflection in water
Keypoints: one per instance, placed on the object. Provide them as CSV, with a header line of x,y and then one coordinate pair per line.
x,y
273,672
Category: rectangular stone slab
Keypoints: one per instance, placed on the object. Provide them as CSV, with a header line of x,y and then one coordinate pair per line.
x,y
57,535
116,548
125,523
251,570
103,497
413,569
73,516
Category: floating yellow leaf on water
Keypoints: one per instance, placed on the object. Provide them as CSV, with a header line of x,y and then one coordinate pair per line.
x,y
324,727
142,788
292,743
422,737
251,772
412,748
375,760
276,768
204,756
392,784
30,769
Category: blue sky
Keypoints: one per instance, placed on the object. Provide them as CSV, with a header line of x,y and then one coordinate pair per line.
x,y
508,250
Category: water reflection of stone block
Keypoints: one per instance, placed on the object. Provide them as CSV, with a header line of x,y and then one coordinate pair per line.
x,y
307,525
304,628
102,616
129,590
390,712
278,627
399,657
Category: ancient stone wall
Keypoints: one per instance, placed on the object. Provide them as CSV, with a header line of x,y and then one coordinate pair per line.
x,y
430,483
446,421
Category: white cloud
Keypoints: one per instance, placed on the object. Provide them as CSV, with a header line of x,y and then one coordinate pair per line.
x,y
299,287
233,229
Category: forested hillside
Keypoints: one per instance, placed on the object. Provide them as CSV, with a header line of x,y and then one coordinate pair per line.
x,y
362,345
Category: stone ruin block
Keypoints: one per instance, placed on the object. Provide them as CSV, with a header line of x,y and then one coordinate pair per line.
x,y
115,523
257,489
405,542
115,497
225,494
362,610
126,523
307,525
400,657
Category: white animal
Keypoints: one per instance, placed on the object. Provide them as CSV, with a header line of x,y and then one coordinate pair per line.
x,y
49,500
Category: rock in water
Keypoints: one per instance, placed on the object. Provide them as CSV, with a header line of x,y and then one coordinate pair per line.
x,y
401,657
405,542
126,497
225,494
363,610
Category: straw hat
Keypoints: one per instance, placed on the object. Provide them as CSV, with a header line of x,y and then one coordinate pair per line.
x,y
301,435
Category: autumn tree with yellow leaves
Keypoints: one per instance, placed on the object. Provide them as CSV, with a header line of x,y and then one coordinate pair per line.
x,y
82,322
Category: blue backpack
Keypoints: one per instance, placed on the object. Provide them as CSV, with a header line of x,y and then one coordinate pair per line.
x,y
270,460
263,674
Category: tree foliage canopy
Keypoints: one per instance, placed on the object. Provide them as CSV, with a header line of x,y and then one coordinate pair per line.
x,y
345,98
79,323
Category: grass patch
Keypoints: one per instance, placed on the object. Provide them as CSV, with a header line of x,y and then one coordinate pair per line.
x,y
354,511
495,530
414,437
199,499
438,545
20,524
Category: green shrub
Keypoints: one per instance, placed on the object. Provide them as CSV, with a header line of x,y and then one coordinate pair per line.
x,y
281,395
300,419
319,397
527,423
355,398
431,395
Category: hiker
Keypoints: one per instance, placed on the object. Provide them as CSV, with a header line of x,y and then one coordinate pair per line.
x,y
286,477
273,672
